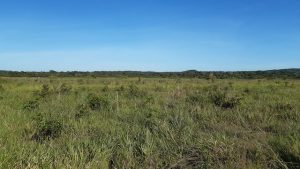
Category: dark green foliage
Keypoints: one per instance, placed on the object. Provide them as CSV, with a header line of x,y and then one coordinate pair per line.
x,y
31,105
47,129
96,102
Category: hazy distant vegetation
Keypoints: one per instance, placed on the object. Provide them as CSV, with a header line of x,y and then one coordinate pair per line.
x,y
136,122
281,73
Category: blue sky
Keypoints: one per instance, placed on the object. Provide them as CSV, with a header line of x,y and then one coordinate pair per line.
x,y
156,35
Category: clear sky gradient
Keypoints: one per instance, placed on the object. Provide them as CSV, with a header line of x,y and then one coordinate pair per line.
x,y
149,35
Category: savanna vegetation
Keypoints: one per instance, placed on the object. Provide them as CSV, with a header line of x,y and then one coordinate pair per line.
x,y
270,74
132,122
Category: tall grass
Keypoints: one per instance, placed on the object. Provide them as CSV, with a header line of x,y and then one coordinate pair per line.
x,y
149,123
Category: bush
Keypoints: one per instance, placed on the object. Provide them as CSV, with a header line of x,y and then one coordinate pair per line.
x,y
47,129
134,91
97,103
225,101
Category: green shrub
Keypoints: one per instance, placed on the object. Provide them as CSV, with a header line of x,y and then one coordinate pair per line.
x,y
134,91
223,100
47,129
97,103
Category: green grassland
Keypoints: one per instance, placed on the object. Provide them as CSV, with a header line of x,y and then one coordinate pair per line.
x,y
149,123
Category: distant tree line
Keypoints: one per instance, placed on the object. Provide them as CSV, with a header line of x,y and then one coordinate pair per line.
x,y
281,73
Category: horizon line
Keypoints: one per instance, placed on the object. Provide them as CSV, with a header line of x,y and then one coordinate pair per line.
x,y
152,71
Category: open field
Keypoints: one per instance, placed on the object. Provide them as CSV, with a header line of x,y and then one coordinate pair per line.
x,y
149,123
